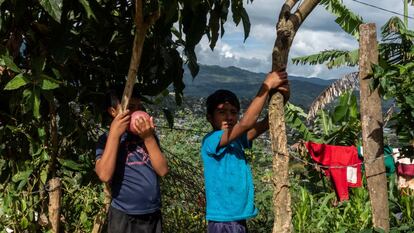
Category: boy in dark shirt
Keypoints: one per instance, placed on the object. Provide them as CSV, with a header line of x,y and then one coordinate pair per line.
x,y
131,164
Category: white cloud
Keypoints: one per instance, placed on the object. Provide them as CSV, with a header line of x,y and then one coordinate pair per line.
x,y
308,42
319,32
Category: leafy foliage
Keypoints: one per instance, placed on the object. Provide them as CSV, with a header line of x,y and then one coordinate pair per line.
x,y
394,75
346,19
332,58
57,58
339,126
397,42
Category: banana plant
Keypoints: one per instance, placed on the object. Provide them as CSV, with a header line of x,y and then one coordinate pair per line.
x,y
339,125
393,75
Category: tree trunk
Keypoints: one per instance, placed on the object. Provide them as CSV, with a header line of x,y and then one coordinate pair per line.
x,y
55,194
372,134
281,195
286,28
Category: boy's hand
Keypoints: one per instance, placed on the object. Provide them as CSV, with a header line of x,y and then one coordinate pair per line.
x,y
226,125
145,127
120,123
285,91
276,79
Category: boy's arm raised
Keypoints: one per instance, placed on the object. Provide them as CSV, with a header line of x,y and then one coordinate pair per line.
x,y
259,128
105,166
248,121
263,125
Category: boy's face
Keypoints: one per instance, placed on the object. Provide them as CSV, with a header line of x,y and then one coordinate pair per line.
x,y
225,116
134,105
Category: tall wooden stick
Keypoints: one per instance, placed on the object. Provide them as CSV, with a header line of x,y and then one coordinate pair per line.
x,y
55,194
372,134
139,38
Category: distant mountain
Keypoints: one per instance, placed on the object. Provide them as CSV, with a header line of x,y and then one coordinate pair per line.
x,y
245,84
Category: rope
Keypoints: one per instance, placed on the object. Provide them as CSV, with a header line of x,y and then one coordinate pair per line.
x,y
315,165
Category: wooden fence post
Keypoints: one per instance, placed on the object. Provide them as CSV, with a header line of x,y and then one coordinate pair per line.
x,y
55,194
372,132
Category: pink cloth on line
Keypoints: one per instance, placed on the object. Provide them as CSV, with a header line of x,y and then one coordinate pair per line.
x,y
405,169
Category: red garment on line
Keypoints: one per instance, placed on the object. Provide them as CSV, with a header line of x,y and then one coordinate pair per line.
x,y
344,156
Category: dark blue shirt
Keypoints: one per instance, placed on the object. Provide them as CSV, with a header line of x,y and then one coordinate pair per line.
x,y
135,186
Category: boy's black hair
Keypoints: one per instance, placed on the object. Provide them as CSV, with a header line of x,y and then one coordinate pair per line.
x,y
219,97
114,96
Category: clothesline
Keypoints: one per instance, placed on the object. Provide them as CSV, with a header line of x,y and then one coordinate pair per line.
x,y
316,165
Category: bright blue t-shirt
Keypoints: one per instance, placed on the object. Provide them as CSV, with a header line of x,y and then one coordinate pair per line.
x,y
228,179
135,186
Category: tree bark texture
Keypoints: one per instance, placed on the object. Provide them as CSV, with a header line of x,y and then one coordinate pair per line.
x,y
372,133
286,29
55,194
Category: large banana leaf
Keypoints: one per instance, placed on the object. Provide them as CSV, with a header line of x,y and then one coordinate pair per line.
x,y
346,19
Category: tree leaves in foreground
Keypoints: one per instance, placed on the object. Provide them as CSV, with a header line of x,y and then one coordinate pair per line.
x,y
57,59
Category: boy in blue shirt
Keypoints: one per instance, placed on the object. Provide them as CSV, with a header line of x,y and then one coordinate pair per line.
x,y
228,178
131,164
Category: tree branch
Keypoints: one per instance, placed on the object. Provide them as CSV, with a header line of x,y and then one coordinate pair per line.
x,y
303,11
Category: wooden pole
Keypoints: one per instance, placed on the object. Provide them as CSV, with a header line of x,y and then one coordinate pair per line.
x,y
372,133
55,194
141,29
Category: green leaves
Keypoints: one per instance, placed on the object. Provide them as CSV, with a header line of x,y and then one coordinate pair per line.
x,y
346,19
67,163
88,9
31,101
22,177
396,81
18,81
34,81
294,117
214,24
194,17
7,60
332,58
53,7
340,126
48,83
239,13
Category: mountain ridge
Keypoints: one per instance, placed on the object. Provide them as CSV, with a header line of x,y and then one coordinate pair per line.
x,y
245,84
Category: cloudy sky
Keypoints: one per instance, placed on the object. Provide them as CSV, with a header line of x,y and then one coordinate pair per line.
x,y
319,32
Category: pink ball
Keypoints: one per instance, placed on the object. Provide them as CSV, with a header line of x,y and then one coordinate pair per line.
x,y
134,116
